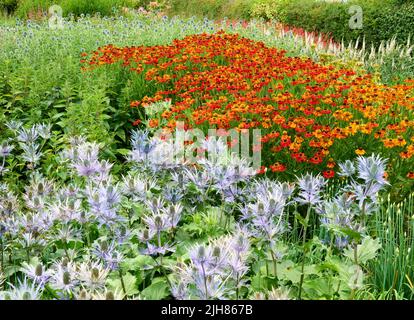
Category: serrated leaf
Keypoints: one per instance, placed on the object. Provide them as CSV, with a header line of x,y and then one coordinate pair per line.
x,y
129,281
366,251
158,290
138,263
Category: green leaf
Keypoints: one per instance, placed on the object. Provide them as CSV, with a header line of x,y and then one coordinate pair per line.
x,y
319,287
351,233
140,262
288,271
123,152
367,250
300,219
158,290
129,281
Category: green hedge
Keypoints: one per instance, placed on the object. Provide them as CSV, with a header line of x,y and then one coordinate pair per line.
x,y
382,19
213,9
8,6
76,7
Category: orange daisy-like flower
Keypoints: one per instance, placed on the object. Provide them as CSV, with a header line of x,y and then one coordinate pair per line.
x,y
410,175
153,123
328,174
360,151
303,108
278,167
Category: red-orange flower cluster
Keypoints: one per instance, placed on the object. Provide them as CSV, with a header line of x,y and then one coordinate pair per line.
x,y
310,114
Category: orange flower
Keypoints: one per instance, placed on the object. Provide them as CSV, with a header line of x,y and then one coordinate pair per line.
x,y
360,151
304,109
278,167
328,174
153,123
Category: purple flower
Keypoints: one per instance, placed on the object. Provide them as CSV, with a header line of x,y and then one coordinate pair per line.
x,y
157,222
173,213
372,169
37,273
108,254
5,149
154,250
310,189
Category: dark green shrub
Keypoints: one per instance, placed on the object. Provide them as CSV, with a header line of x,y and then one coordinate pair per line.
x,y
236,9
76,7
8,6
381,19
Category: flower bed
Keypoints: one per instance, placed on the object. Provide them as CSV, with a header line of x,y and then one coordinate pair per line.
x,y
311,115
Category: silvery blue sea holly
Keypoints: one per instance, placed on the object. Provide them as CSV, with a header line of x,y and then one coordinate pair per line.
x,y
23,290
310,189
172,193
14,125
265,215
137,187
92,275
37,273
5,151
63,279
371,170
347,169
44,130
108,253
27,135
214,268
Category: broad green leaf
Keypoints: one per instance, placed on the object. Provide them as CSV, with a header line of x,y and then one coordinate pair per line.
x,y
129,281
158,290
366,251
140,262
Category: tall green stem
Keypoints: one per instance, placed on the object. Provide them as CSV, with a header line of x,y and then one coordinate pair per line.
x,y
302,275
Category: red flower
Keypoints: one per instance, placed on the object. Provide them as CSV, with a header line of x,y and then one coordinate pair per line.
x,y
328,174
278,167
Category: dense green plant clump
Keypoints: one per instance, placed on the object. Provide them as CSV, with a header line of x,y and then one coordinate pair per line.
x,y
34,8
381,20
237,9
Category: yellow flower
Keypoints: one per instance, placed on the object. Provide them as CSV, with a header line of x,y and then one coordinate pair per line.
x,y
360,151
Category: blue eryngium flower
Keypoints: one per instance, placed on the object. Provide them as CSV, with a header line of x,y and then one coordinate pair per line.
x,y
107,253
310,189
372,169
22,291
142,145
5,149
347,169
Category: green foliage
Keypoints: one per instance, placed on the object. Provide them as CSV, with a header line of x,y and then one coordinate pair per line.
x,y
381,19
89,115
8,6
393,270
29,7
76,7
237,9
